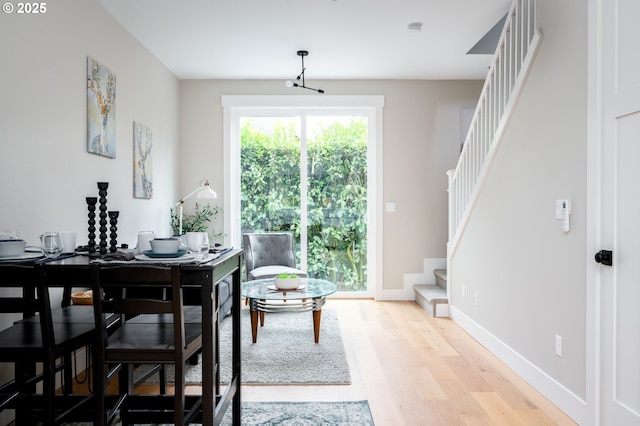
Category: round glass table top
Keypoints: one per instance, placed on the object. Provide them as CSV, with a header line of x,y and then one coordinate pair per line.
x,y
310,288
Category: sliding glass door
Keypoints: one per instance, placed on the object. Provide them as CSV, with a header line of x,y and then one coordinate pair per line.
x,y
307,173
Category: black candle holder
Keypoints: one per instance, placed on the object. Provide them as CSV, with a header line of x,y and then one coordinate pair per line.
x,y
102,193
91,207
113,220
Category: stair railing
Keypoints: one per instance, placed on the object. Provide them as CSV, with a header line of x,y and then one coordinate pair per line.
x,y
513,58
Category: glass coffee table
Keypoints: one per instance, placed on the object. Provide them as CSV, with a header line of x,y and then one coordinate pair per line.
x,y
263,296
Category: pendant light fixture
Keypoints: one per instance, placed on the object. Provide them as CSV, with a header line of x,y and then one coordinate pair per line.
x,y
289,83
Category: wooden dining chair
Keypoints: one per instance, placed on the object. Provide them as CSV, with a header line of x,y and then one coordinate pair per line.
x,y
69,313
34,338
134,342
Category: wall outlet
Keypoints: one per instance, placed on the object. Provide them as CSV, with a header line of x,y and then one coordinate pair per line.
x,y
559,346
464,291
475,302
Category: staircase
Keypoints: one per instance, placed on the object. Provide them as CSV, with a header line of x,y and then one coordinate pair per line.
x,y
513,58
511,63
433,297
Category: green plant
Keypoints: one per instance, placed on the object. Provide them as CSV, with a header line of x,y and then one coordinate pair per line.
x,y
285,276
196,222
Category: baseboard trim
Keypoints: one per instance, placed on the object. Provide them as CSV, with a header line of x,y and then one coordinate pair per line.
x,y
398,294
554,391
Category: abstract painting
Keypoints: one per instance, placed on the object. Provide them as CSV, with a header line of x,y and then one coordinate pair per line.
x,y
101,110
142,167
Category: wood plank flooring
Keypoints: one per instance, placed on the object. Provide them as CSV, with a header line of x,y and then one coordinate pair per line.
x,y
418,370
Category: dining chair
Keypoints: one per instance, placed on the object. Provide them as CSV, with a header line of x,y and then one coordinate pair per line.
x,y
135,342
33,337
70,313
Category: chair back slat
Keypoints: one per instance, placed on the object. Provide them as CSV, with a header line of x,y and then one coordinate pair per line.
x,y
136,306
131,290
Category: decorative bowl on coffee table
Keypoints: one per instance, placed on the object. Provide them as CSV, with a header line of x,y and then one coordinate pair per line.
x,y
291,282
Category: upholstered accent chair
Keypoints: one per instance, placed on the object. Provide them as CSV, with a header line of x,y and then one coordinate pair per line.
x,y
269,254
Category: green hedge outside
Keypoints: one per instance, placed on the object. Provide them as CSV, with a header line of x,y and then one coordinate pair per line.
x,y
336,195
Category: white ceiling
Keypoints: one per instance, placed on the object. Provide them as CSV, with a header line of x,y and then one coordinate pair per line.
x,y
346,39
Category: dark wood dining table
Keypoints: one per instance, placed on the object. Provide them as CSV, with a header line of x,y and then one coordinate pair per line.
x,y
70,272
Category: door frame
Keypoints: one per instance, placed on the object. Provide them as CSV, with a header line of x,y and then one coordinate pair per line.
x,y
594,202
235,106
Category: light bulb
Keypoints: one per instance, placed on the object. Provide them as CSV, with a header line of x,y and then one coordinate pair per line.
x,y
288,83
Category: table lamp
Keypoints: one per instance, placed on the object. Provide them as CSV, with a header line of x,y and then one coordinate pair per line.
x,y
203,191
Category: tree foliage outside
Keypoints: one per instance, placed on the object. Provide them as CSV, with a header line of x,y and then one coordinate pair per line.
x,y
336,192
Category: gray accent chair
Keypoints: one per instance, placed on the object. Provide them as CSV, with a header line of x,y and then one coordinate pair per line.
x,y
226,296
269,254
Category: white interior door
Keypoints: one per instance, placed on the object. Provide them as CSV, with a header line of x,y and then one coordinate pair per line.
x,y
620,215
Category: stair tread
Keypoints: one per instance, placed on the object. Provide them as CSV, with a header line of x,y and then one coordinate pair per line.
x,y
442,273
432,293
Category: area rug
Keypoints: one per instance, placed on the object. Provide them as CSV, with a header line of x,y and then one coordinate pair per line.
x,y
284,354
344,413
304,413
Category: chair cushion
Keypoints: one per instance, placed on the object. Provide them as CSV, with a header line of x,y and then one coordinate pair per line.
x,y
272,271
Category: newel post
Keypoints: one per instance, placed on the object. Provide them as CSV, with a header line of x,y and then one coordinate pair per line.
x,y
452,204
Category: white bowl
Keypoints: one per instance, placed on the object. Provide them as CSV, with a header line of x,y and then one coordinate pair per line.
x,y
165,245
12,247
287,283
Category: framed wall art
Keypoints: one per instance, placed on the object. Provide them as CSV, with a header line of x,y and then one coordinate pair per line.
x,y
142,167
101,110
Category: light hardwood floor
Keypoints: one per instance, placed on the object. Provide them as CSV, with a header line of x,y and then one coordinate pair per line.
x,y
417,370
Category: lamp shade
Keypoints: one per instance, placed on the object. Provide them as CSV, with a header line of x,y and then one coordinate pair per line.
x,y
206,191
203,191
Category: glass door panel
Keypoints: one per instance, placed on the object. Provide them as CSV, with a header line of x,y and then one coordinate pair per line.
x,y
337,200
270,174
324,202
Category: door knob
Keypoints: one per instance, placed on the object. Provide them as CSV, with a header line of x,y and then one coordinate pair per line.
x,y
605,257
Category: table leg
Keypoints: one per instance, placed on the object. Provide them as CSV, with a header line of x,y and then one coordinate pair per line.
x,y
208,342
316,324
261,319
254,325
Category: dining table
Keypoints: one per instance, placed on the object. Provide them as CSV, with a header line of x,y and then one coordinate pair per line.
x,y
203,276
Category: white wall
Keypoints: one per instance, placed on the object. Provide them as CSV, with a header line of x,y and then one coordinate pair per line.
x,y
421,142
46,172
529,275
